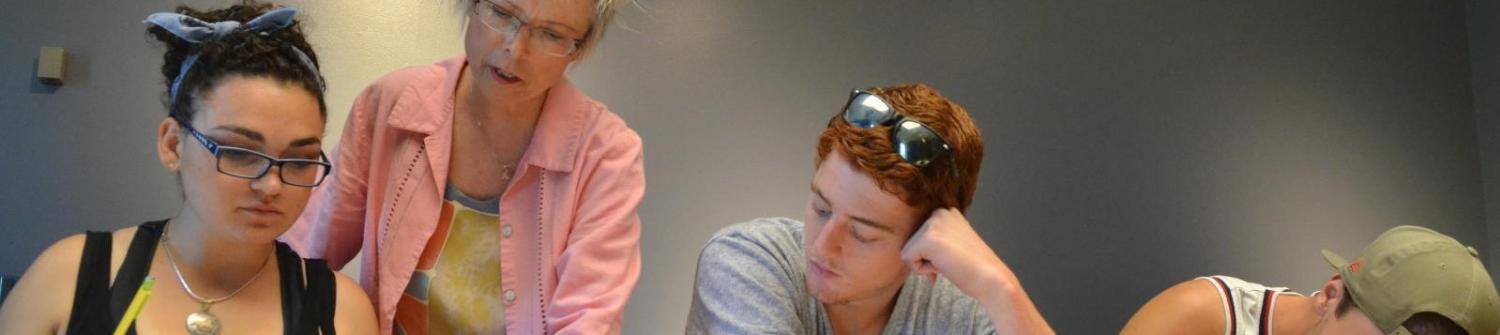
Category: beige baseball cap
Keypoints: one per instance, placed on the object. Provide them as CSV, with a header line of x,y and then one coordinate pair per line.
x,y
1410,270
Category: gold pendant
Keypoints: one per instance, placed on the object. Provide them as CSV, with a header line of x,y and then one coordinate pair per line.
x,y
203,323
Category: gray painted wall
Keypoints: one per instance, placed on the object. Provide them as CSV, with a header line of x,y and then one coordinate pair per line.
x,y
1484,46
1131,145
82,155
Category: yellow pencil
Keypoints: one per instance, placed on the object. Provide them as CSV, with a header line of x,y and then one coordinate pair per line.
x,y
135,306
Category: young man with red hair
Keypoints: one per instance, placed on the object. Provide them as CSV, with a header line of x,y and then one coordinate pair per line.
x,y
885,247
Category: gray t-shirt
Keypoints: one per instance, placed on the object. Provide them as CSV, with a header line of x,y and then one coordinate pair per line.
x,y
751,280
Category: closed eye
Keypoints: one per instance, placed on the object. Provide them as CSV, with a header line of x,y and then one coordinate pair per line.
x,y
822,213
857,236
854,231
552,36
239,156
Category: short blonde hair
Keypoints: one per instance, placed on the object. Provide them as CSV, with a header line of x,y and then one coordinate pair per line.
x,y
604,13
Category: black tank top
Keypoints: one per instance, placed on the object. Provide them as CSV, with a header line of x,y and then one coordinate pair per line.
x,y
306,308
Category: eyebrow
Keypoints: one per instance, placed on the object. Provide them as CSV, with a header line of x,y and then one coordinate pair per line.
x,y
261,139
513,8
865,221
871,223
306,141
554,25
242,131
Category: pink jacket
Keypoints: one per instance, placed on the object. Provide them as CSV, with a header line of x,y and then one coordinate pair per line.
x,y
570,234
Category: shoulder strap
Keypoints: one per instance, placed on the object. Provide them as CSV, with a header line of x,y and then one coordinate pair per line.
x,y
1267,305
323,288
135,268
292,306
308,293
92,286
1230,310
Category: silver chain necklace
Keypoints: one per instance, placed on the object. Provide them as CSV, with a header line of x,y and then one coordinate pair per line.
x,y
506,170
202,322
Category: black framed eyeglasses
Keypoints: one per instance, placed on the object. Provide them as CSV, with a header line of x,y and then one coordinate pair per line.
x,y
251,164
914,141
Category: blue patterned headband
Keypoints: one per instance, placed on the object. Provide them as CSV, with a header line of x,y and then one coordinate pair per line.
x,y
193,30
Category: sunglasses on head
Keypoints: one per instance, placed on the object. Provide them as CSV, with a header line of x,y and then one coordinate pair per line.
x,y
914,141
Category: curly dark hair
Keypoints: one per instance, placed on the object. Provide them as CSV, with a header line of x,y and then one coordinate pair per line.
x,y
265,55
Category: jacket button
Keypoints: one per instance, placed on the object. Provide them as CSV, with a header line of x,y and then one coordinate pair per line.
x,y
505,231
510,296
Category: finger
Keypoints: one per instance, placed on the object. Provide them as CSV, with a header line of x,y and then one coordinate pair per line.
x,y
924,269
928,269
944,213
915,264
914,249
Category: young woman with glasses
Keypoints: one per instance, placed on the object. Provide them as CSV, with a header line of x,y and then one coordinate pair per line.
x,y
486,193
243,136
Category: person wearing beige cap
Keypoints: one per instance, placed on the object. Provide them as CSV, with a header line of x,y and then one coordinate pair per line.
x,y
1410,280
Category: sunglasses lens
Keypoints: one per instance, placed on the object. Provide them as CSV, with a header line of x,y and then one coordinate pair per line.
x,y
867,111
918,144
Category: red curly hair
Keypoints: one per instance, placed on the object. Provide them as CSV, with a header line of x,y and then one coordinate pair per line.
x,y
871,151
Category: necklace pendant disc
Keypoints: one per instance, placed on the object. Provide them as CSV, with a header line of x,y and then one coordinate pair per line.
x,y
202,323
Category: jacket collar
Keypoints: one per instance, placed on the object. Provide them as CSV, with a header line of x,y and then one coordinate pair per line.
x,y
428,109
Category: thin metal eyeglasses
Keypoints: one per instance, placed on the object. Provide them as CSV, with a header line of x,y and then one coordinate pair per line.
x,y
251,164
500,20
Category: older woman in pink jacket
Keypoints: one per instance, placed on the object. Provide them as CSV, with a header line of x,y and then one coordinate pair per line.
x,y
488,194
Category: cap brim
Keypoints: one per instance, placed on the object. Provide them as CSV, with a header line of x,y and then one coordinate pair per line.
x,y
1335,260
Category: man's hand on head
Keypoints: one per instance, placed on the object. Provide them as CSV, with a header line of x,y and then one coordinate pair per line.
x,y
947,245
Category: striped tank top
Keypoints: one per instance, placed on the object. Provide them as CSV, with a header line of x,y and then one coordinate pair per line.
x,y
1247,306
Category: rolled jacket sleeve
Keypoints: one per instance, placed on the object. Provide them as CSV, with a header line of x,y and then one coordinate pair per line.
x,y
600,264
332,225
